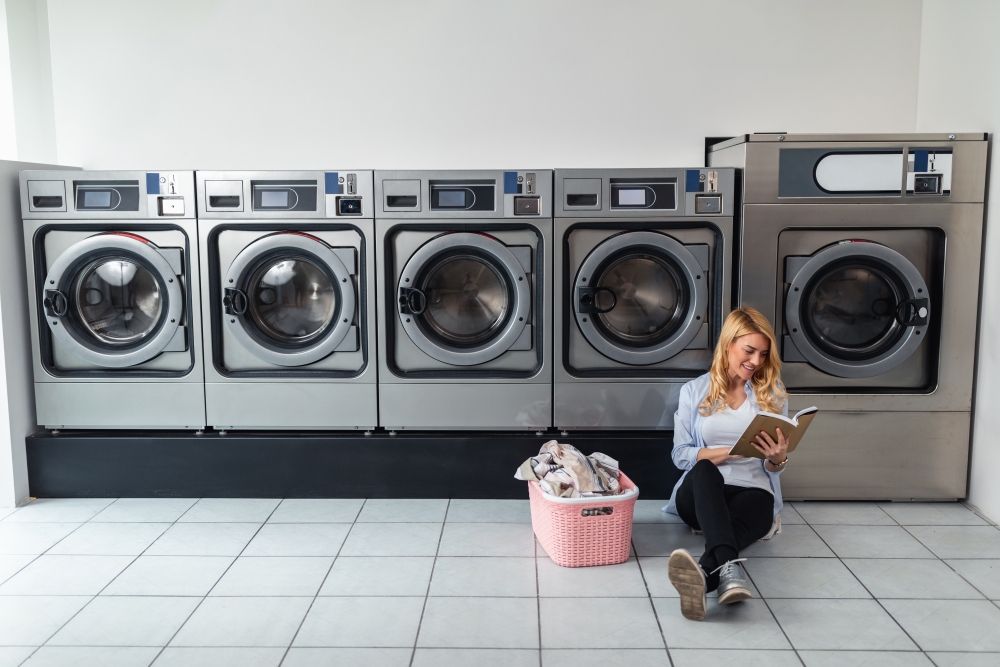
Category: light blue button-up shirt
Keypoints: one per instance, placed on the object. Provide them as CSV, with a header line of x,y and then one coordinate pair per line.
x,y
688,423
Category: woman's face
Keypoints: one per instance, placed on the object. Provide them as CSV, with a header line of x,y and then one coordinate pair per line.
x,y
747,354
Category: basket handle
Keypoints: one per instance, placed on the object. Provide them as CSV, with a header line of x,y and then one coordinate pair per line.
x,y
597,511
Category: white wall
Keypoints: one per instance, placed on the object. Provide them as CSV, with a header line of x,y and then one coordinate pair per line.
x,y
31,78
306,84
960,92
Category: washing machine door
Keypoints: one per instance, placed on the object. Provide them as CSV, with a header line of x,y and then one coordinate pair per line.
x,y
115,300
855,309
288,299
465,298
641,297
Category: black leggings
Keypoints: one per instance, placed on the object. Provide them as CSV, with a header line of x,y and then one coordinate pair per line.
x,y
732,517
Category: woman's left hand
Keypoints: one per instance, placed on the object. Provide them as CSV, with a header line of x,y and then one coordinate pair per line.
x,y
776,452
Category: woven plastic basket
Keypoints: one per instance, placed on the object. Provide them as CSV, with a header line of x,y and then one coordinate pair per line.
x,y
580,532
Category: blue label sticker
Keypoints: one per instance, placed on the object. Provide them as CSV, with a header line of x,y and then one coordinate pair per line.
x,y
920,159
510,182
152,184
332,183
692,181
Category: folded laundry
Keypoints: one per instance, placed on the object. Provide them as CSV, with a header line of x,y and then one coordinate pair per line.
x,y
563,471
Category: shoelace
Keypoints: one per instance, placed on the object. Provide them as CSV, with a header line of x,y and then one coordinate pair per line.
x,y
726,567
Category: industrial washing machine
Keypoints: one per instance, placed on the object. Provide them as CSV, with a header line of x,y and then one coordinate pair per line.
x,y
865,251
465,262
288,266
113,286
643,281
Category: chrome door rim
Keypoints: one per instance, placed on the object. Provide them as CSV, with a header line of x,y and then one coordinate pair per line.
x,y
695,317
169,316
863,250
493,348
344,312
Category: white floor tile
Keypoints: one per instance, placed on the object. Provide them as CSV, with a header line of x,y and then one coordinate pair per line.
x,y
198,539
299,539
244,621
794,541
64,510
484,576
362,657
138,510
93,656
489,511
13,656
865,659
872,542
733,658
392,539
393,510
965,659
464,657
479,623
169,575
932,514
126,621
621,581
651,511
746,625
804,578
983,574
911,578
839,625
281,575
66,575
220,657
31,620
949,625
361,622
11,565
662,539
32,538
599,623
317,510
959,541
846,513
487,539
110,539
230,510
379,576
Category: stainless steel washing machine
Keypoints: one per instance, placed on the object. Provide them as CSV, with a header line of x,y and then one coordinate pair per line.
x,y
288,266
643,281
113,286
865,251
465,261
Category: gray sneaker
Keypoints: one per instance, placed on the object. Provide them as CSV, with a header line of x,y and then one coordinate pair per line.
x,y
733,583
689,580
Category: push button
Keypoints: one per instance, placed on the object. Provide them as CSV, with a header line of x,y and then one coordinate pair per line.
x,y
527,206
170,205
708,204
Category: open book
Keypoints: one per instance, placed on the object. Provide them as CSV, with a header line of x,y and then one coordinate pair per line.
x,y
793,428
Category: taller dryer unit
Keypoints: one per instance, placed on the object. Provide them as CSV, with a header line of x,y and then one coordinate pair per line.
x,y
643,282
465,262
288,265
864,250
112,261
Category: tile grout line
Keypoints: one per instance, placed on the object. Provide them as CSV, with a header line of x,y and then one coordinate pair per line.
x,y
209,592
775,617
649,596
430,580
284,656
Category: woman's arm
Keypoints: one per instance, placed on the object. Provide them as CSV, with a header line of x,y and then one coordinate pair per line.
x,y
685,451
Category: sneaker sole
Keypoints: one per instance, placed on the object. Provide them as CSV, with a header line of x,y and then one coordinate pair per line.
x,y
735,595
686,576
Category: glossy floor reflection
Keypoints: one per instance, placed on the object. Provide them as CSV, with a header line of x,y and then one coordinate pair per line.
x,y
258,582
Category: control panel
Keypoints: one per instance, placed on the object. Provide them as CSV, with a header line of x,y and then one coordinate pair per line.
x,y
644,192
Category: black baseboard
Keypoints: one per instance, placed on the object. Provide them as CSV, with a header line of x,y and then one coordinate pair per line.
x,y
88,464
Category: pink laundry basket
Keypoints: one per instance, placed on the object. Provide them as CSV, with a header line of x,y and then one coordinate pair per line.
x,y
580,532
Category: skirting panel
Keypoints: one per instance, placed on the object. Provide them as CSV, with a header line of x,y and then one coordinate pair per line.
x,y
87,464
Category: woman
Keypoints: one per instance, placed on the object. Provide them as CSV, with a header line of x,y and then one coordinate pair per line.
x,y
734,500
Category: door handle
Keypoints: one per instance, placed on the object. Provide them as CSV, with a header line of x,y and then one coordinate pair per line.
x,y
408,301
235,302
912,312
56,304
587,300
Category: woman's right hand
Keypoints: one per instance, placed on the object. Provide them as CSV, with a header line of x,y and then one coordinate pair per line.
x,y
716,455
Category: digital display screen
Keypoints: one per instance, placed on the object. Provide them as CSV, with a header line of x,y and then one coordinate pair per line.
x,y
97,198
274,198
451,198
631,197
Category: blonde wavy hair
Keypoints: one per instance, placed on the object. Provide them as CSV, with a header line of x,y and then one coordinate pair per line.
x,y
766,380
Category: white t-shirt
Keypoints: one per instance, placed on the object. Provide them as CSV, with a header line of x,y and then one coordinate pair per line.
x,y
723,429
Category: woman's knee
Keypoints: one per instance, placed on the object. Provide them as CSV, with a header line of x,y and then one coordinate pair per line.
x,y
706,470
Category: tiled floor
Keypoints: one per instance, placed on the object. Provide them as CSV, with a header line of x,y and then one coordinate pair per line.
x,y
435,582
